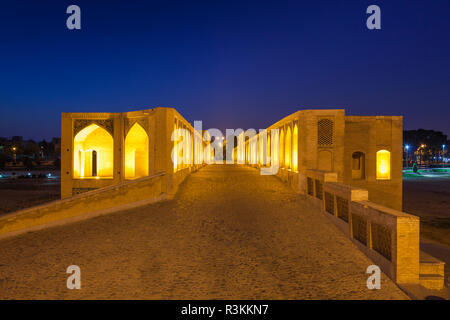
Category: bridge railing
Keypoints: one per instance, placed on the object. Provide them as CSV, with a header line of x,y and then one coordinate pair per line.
x,y
131,193
390,238
315,180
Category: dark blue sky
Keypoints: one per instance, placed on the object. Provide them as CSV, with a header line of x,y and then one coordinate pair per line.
x,y
229,63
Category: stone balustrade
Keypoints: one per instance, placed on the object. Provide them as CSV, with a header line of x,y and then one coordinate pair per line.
x,y
390,238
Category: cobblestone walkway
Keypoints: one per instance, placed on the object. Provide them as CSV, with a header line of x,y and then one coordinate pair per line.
x,y
230,233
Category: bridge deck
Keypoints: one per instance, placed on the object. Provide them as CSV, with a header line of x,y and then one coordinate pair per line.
x,y
229,233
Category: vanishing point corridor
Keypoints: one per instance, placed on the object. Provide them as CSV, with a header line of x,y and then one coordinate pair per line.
x,y
230,233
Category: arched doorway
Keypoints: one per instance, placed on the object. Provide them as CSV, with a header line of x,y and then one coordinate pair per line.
x,y
287,149
295,148
281,148
93,155
358,165
136,153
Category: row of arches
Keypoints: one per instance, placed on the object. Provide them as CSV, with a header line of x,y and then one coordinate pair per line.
x,y
93,155
277,147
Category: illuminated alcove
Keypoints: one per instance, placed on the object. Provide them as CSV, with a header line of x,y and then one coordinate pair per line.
x,y
253,150
295,148
175,147
287,149
136,153
383,165
247,152
281,148
275,149
181,146
93,155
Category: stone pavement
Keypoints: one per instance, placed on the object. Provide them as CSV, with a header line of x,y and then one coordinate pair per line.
x,y
230,233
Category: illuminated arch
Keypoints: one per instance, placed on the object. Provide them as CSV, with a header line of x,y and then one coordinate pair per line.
x,y
281,148
383,165
287,148
93,155
295,148
247,150
175,147
136,153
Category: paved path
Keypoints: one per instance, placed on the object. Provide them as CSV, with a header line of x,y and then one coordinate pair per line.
x,y
228,234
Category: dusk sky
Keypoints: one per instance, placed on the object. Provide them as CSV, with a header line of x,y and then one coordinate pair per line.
x,y
232,64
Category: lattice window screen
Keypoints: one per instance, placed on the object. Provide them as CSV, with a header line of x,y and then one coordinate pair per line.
x,y
325,132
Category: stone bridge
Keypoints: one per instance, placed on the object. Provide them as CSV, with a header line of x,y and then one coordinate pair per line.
x,y
229,233
146,215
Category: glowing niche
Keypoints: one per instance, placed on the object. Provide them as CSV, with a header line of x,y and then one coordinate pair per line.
x,y
383,165
287,149
295,149
136,153
93,155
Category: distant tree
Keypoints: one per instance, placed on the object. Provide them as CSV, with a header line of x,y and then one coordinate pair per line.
x,y
431,141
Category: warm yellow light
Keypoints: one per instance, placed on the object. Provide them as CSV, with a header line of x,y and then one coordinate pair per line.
x,y
295,149
287,149
281,148
93,143
275,151
136,153
175,147
383,165
14,148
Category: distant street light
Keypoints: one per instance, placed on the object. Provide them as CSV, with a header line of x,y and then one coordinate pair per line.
x,y
443,148
407,163
14,150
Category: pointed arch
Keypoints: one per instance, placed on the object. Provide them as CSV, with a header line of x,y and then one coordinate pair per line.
x,y
358,165
288,148
93,155
295,148
136,152
281,148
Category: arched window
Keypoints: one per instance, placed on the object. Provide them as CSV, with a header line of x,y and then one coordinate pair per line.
x,y
281,148
253,150
175,146
358,165
136,153
93,155
287,148
275,151
295,148
383,165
